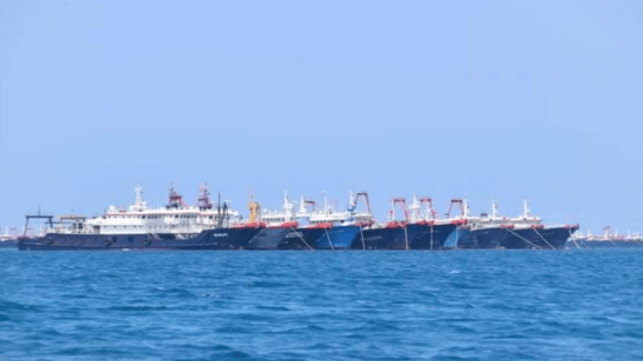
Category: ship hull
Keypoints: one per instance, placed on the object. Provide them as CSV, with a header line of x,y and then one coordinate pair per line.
x,y
482,238
583,243
301,238
12,243
267,239
595,244
219,239
543,238
339,237
522,238
432,237
391,238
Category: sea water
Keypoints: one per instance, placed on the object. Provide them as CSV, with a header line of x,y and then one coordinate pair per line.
x,y
322,305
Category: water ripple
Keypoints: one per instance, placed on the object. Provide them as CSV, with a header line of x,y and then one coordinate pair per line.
x,y
277,306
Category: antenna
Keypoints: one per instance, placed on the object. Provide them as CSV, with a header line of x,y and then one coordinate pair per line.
x,y
415,209
494,209
138,197
525,208
325,196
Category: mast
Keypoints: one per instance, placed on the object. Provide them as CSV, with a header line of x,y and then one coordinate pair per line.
x,y
203,202
254,207
494,209
416,209
525,208
222,212
175,199
138,198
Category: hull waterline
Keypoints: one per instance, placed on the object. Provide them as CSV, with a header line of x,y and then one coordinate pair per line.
x,y
220,239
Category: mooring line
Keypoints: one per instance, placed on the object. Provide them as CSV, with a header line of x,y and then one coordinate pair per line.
x,y
543,238
524,239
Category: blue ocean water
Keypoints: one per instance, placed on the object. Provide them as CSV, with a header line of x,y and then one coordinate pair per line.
x,y
463,305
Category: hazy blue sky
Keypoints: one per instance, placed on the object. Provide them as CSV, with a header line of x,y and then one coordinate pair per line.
x,y
476,99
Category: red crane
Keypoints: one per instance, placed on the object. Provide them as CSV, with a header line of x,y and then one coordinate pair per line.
x,y
459,203
309,202
428,203
402,203
368,203
353,208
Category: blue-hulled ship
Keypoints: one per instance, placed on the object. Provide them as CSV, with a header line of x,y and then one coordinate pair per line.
x,y
281,229
9,240
340,230
175,226
391,235
522,232
434,231
418,230
606,240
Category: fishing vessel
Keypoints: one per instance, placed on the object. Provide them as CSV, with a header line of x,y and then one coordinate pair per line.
x,y
175,226
435,231
341,230
347,231
524,231
529,232
8,239
607,239
474,232
280,228
309,229
415,231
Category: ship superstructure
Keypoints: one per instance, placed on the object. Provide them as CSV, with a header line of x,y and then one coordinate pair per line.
x,y
339,229
175,226
210,225
8,238
524,231
607,239
276,226
175,218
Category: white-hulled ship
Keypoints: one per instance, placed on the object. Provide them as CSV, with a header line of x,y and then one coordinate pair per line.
x,y
175,226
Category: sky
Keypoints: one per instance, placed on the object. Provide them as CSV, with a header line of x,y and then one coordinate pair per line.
x,y
481,100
